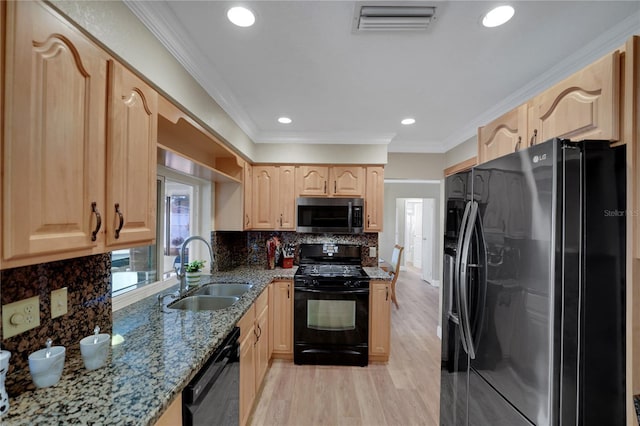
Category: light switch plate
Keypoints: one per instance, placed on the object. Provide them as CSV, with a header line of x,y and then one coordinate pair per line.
x,y
58,302
373,252
18,317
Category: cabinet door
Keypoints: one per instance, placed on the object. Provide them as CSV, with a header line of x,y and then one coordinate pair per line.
x,y
247,183
262,346
503,135
247,364
282,318
379,320
264,191
348,181
583,106
131,159
312,181
374,199
286,213
53,159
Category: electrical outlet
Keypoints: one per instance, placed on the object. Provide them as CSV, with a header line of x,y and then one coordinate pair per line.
x,y
58,302
373,252
18,317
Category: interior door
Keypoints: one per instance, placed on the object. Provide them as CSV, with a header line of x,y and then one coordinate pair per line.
x,y
417,235
428,240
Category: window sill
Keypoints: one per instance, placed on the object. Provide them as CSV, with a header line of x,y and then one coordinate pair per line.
x,y
126,299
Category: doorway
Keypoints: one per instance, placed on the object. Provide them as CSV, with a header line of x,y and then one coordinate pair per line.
x,y
419,238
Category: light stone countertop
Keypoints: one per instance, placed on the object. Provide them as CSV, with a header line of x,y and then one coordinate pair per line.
x,y
160,354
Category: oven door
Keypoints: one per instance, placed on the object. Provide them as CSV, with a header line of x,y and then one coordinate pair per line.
x,y
331,326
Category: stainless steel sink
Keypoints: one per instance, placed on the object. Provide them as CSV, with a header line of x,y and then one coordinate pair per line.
x,y
203,303
224,289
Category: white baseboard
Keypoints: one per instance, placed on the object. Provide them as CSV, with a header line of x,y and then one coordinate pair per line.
x,y
439,332
435,283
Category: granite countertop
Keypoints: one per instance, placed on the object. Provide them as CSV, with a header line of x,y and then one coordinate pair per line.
x,y
160,354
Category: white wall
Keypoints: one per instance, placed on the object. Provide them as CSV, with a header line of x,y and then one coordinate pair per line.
x,y
320,154
414,166
462,152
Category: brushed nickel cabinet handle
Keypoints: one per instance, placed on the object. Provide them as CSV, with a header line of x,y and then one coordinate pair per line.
x,y
325,186
518,144
387,297
94,233
335,187
121,220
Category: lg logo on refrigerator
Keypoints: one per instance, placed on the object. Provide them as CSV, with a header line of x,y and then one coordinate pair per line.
x,y
537,158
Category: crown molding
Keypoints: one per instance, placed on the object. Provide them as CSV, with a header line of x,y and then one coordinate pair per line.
x,y
162,23
348,138
421,147
607,42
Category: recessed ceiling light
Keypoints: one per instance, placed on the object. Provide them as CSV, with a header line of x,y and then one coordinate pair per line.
x,y
408,121
284,120
241,16
497,16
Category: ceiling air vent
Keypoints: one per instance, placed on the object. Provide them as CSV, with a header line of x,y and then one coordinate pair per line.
x,y
394,16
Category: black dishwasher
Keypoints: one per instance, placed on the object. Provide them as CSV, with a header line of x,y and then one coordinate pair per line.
x,y
212,397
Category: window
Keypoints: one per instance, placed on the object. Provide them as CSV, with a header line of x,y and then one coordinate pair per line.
x,y
183,210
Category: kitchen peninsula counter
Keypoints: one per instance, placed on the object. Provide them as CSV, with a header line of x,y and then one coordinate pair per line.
x,y
160,353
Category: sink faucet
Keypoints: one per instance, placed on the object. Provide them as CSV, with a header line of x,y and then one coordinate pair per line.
x,y
180,272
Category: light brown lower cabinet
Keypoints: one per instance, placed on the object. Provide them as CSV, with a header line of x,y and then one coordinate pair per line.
x,y
254,353
173,415
379,321
281,313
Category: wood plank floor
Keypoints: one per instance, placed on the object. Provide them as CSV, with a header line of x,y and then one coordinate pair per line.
x,y
403,392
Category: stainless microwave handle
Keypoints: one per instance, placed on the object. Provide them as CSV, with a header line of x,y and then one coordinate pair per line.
x,y
350,216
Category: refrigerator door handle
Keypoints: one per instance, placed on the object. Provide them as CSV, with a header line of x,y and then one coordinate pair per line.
x,y
457,274
462,285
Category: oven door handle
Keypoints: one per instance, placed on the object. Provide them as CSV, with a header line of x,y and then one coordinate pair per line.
x,y
327,291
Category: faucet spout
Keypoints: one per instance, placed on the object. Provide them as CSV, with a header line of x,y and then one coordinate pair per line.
x,y
180,272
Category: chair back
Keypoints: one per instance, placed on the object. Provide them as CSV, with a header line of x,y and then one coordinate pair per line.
x,y
395,260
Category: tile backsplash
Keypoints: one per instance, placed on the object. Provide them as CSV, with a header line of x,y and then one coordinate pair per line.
x,y
88,282
232,249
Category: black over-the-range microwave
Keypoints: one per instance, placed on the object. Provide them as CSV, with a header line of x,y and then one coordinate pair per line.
x,y
335,215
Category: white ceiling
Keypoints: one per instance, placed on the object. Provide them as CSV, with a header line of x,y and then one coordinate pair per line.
x,y
301,59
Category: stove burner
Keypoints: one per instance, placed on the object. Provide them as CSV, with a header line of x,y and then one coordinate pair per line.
x,y
331,271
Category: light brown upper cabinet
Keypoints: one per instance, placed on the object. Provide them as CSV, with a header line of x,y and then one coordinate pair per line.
x,y
583,106
503,135
374,199
247,196
131,159
286,209
57,101
330,181
273,200
347,180
312,181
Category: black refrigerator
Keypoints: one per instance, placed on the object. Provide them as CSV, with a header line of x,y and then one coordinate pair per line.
x,y
533,314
